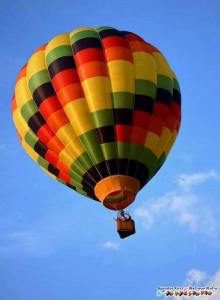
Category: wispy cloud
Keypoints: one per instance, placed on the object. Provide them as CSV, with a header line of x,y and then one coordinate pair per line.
x,y
199,278
110,245
186,181
195,277
182,206
38,239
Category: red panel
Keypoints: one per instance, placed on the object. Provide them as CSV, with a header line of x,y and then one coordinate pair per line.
x,y
49,106
138,135
161,111
156,126
134,37
64,177
115,42
45,134
51,157
118,53
64,78
13,104
63,167
22,73
141,119
87,55
171,122
123,133
175,108
92,69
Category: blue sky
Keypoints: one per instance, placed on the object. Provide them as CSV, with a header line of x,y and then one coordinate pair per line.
x,y
55,244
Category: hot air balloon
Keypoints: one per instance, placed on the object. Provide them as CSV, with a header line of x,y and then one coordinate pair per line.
x,y
99,110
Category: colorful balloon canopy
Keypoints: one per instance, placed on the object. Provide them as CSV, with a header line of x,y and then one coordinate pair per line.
x,y
99,110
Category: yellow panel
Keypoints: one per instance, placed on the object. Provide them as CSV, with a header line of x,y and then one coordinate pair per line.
x,y
65,157
80,30
75,148
164,139
151,141
65,133
122,76
145,66
170,143
97,92
162,65
29,150
79,116
20,124
22,92
35,64
59,40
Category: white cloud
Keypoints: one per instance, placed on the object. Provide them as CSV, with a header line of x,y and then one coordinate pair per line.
x,y
195,277
183,207
186,181
198,278
110,245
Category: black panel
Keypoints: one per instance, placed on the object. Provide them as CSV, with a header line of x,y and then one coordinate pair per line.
x,y
42,92
118,166
123,116
177,97
86,43
53,170
71,186
112,166
40,148
109,32
36,121
164,96
90,192
106,134
60,64
144,103
123,166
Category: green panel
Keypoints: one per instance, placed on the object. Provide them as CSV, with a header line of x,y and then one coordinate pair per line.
x,y
77,168
85,161
101,28
76,183
82,35
176,84
91,144
158,165
123,100
42,162
58,52
145,87
137,152
75,174
28,110
81,192
149,158
109,150
103,118
31,139
165,82
38,79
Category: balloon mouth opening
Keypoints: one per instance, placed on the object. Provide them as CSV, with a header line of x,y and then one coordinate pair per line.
x,y
117,192
119,199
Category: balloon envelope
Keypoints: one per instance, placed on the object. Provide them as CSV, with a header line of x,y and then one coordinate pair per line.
x,y
99,110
